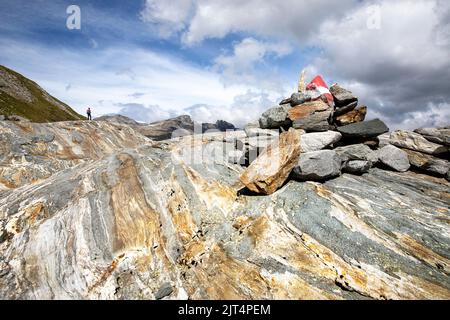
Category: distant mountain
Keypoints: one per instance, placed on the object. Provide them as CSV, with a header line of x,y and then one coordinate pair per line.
x,y
23,97
164,129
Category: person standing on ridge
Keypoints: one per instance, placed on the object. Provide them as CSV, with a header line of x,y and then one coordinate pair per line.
x,y
88,112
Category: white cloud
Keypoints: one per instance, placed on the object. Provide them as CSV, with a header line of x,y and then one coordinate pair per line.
x,y
126,80
245,108
239,66
169,16
288,19
400,70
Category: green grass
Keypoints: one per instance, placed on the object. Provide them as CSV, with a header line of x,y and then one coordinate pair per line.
x,y
39,110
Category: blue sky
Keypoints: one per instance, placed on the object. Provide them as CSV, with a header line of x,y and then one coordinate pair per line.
x,y
232,59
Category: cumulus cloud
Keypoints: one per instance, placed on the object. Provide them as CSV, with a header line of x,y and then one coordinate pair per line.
x,y
393,54
245,108
168,17
399,69
239,66
142,113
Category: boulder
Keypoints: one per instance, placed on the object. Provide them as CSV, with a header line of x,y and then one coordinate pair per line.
x,y
447,176
275,117
394,158
356,166
317,166
271,169
416,142
306,109
311,116
318,140
353,116
366,129
437,135
428,163
299,98
317,122
342,96
353,152
344,109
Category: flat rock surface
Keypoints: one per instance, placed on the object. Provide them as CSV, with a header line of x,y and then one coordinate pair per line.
x,y
428,163
437,135
416,142
152,222
366,129
318,140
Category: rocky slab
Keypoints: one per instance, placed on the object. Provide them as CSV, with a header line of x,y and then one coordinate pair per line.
x,y
353,116
271,169
437,135
315,141
366,129
151,222
416,142
428,163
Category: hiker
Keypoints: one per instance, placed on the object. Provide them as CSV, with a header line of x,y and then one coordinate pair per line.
x,y
88,112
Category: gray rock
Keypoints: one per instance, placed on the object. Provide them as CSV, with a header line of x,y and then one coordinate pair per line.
x,y
447,176
428,163
383,139
353,152
318,140
299,98
437,135
342,97
366,129
254,132
344,109
394,158
356,166
275,117
317,166
416,142
318,121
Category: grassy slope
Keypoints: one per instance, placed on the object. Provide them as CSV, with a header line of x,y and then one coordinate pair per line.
x,y
40,110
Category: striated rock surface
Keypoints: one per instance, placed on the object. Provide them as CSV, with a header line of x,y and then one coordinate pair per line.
x,y
437,135
31,152
428,163
416,142
148,221
271,169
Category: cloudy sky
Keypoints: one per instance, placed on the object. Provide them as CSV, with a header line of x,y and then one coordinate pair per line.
x,y
232,59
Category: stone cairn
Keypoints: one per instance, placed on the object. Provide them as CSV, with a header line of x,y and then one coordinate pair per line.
x,y
319,133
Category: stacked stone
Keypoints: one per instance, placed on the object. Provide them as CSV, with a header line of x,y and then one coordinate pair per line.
x,y
335,140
